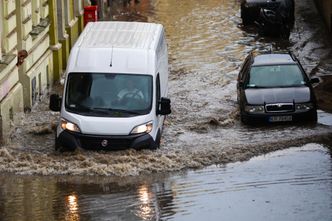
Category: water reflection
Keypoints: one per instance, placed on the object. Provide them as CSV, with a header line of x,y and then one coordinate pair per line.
x,y
293,184
145,211
72,212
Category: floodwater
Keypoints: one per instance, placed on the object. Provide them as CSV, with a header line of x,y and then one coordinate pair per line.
x,y
292,184
207,45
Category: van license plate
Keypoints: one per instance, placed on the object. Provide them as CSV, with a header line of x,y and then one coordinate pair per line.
x,y
280,118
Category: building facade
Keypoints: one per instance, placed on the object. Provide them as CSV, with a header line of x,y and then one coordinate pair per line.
x,y
11,89
35,39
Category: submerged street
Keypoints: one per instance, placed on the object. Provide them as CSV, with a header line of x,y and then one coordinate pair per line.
x,y
189,173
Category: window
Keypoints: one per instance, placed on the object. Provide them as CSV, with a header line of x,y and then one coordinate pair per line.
x,y
276,76
244,69
47,77
11,114
109,94
33,90
157,93
40,85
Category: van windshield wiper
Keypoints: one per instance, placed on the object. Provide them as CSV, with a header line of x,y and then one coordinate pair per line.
x,y
101,110
126,111
80,109
111,110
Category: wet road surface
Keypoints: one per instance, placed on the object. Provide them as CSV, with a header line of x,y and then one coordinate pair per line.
x,y
292,184
207,45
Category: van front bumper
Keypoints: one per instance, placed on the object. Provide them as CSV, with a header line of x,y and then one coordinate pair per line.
x,y
70,141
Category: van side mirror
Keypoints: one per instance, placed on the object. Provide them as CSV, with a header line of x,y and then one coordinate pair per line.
x,y
164,106
55,102
314,80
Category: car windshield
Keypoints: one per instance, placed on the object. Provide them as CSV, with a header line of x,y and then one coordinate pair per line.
x,y
108,94
276,76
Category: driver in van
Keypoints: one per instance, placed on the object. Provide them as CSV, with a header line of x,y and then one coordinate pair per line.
x,y
130,92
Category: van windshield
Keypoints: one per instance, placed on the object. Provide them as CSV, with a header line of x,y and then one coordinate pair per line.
x,y
108,94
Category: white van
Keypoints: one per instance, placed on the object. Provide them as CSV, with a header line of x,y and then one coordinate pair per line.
x,y
115,88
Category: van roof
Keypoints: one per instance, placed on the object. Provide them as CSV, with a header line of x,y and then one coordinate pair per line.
x,y
110,34
117,47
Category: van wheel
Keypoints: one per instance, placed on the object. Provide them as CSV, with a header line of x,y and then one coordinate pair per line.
x,y
59,148
57,145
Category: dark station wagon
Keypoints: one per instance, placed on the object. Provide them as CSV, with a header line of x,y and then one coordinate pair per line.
x,y
275,88
250,9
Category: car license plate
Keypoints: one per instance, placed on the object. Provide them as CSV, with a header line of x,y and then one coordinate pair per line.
x,y
280,118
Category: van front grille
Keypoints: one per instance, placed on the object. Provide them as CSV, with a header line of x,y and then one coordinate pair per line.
x,y
97,143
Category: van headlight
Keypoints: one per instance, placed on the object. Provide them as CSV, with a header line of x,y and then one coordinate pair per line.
x,y
254,109
66,125
304,107
143,128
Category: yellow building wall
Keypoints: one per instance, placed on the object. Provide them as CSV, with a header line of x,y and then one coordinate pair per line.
x,y
33,36
11,91
9,107
37,67
32,25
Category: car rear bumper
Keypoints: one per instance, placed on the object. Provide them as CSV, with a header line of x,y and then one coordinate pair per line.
x,y
70,141
309,116
251,12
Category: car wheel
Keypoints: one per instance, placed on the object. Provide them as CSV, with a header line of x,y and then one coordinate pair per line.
x,y
244,119
314,118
